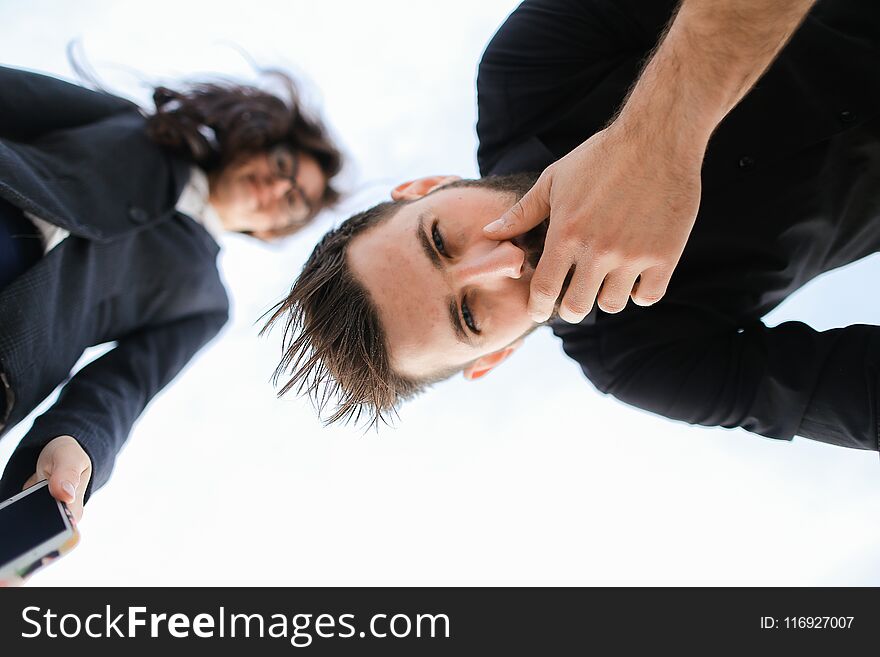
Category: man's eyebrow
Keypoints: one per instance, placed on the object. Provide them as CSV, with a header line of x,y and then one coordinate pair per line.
x,y
428,247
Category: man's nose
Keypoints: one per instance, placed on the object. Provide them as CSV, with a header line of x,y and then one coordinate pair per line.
x,y
501,260
272,190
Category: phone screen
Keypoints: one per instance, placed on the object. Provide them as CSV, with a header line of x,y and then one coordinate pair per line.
x,y
27,523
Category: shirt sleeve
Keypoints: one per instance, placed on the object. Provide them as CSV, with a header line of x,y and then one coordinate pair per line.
x,y
551,54
32,104
101,402
687,364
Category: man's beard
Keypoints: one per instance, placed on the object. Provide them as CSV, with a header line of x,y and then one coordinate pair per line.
x,y
532,242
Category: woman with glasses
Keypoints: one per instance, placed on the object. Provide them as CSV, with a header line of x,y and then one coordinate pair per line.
x,y
109,220
267,164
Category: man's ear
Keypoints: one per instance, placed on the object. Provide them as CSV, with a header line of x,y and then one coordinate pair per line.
x,y
485,364
415,189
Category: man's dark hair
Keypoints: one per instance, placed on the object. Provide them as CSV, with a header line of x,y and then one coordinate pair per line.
x,y
334,345
216,124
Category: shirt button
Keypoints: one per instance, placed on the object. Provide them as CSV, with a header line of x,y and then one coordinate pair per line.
x,y
138,215
846,117
746,163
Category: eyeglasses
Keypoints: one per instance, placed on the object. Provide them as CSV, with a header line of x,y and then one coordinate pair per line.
x,y
284,164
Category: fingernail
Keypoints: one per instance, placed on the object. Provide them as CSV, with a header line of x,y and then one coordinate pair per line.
x,y
68,488
498,224
538,317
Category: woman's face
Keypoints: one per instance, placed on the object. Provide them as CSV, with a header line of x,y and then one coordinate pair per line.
x,y
267,193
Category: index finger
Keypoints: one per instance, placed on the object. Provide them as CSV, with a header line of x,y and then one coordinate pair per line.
x,y
524,215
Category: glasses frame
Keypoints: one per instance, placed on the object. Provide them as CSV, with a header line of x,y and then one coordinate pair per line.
x,y
296,194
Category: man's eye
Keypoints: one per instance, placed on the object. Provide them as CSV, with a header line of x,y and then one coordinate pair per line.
x,y
468,317
438,241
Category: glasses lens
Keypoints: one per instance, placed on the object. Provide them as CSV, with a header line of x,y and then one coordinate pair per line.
x,y
284,165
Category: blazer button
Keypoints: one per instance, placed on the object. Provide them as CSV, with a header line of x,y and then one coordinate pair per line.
x,y
746,163
138,215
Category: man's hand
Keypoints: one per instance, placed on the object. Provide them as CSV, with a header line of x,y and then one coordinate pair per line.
x,y
622,204
621,208
68,468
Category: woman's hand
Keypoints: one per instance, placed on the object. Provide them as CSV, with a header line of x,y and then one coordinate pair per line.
x,y
621,208
68,468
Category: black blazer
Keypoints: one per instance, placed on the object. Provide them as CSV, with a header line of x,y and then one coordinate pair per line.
x,y
791,188
133,270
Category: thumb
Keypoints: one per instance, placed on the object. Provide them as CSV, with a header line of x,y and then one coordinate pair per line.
x,y
64,483
67,463
525,214
68,483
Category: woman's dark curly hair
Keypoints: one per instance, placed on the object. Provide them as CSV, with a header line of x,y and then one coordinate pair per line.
x,y
216,124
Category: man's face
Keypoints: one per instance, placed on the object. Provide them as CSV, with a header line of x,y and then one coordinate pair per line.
x,y
446,294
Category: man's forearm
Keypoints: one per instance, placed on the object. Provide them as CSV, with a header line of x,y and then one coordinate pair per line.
x,y
711,55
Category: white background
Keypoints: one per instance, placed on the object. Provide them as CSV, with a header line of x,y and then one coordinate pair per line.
x,y
528,477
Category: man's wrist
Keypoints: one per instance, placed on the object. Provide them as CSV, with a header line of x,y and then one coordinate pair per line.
x,y
710,56
674,140
669,109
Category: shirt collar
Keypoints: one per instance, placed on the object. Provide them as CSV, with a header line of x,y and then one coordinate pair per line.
x,y
193,202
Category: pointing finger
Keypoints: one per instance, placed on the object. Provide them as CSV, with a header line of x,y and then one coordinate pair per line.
x,y
525,214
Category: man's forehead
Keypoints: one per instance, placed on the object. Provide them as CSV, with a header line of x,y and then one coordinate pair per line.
x,y
385,254
406,290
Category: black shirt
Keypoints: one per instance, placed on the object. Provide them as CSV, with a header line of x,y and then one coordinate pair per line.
x,y
791,189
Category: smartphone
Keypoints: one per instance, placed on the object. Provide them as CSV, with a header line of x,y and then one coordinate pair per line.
x,y
35,529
